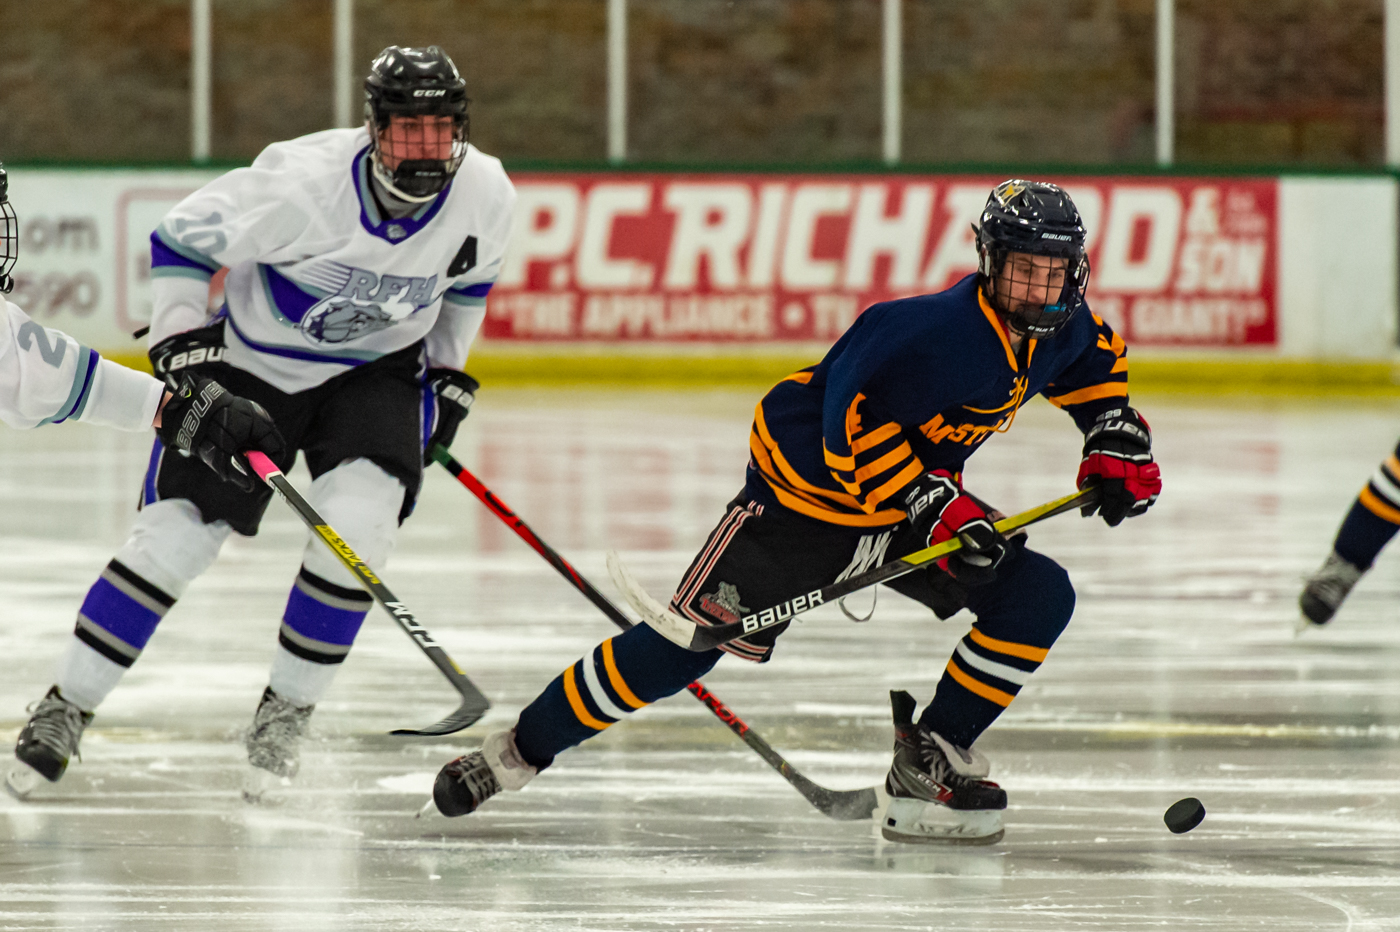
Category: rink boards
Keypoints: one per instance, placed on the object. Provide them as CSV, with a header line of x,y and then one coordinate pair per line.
x,y
721,273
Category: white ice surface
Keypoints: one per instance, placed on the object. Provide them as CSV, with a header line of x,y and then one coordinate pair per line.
x,y
1178,676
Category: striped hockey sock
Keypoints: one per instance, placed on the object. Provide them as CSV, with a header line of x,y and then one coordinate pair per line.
x,y
616,678
318,629
1374,517
982,677
117,618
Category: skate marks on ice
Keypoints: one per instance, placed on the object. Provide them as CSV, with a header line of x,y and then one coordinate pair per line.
x,y
1178,676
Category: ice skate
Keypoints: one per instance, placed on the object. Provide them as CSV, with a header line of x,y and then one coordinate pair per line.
x,y
937,791
1326,590
46,743
273,741
467,782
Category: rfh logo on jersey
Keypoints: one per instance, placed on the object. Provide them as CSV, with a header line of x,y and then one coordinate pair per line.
x,y
366,303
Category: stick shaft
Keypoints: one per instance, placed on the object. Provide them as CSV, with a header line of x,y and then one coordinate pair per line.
x,y
847,803
401,614
710,638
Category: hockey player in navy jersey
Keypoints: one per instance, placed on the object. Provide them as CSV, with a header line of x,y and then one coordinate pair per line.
x,y
358,264
1370,523
860,457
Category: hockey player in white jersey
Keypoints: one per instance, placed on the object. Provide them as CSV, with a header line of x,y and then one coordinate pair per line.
x,y
47,377
359,262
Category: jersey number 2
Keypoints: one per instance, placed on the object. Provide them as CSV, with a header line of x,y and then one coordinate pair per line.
x,y
51,353
466,257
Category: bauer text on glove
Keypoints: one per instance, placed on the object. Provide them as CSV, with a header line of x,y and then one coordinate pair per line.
x,y
1118,462
204,419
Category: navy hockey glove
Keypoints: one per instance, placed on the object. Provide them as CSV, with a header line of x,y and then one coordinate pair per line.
x,y
454,392
203,419
185,352
940,510
1118,461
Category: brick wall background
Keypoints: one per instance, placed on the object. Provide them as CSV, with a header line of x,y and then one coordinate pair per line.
x,y
724,81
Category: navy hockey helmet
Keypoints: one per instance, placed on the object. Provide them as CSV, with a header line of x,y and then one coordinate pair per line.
x,y
1038,219
416,161
9,234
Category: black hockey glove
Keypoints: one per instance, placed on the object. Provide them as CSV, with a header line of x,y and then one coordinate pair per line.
x,y
939,510
1118,461
454,392
203,419
185,352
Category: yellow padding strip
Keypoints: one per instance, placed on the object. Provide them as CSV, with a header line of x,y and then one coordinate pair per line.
x,y
497,366
1377,507
980,688
576,701
615,678
1010,648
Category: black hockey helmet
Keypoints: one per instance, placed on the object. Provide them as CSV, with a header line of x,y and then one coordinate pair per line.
x,y
415,82
9,234
1039,219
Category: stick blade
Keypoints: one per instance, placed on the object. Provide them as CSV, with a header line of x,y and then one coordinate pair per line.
x,y
467,714
848,805
665,622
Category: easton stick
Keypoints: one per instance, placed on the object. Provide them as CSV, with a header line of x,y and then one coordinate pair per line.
x,y
688,634
474,704
843,805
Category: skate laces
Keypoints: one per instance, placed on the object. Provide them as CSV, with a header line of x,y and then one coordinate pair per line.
x,y
57,724
476,775
279,720
1332,582
936,762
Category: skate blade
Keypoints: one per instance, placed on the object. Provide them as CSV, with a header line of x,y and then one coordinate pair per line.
x,y
1304,623
260,786
914,821
428,808
22,780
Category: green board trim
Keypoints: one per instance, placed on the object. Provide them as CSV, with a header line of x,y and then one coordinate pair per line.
x,y
856,167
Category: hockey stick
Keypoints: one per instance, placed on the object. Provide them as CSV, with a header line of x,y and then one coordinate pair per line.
x,y
696,637
844,805
474,704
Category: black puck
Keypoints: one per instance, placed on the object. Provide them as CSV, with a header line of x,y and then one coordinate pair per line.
x,y
1184,815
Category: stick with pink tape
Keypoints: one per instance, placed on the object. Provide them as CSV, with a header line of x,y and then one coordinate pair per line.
x,y
474,703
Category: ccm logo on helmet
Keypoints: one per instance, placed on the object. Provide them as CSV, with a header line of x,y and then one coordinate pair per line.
x,y
430,93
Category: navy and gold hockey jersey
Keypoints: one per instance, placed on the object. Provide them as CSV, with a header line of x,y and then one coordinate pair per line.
x,y
915,385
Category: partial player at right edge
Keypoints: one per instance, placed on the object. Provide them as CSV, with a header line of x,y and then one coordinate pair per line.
x,y
1371,522
860,457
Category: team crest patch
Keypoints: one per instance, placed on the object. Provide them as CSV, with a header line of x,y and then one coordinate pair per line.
x,y
365,303
723,604
394,231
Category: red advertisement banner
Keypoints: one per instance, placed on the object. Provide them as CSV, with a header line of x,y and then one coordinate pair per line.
x,y
754,258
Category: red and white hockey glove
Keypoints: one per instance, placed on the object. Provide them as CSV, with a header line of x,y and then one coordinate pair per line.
x,y
940,510
1118,461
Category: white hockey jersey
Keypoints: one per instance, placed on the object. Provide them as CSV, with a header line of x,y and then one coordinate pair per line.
x,y
47,377
319,281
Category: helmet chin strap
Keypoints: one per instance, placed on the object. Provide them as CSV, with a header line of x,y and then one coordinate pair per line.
x,y
386,180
